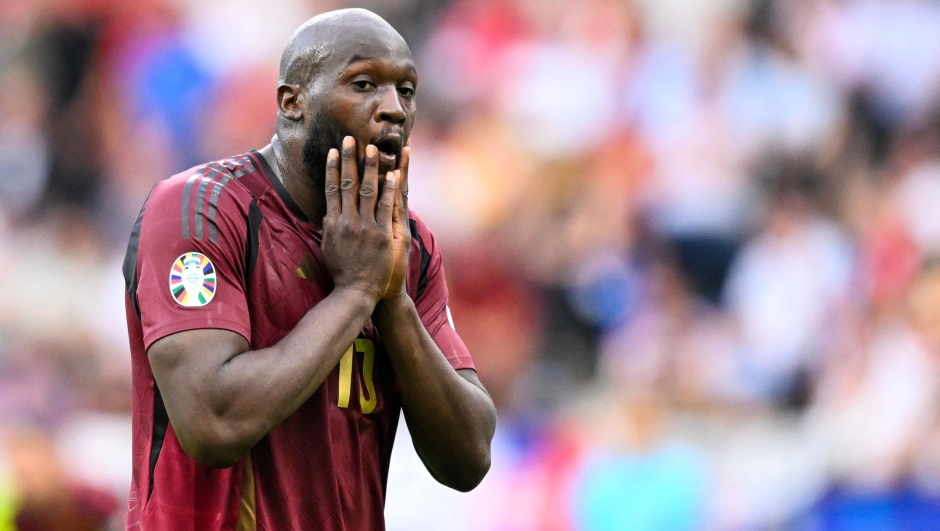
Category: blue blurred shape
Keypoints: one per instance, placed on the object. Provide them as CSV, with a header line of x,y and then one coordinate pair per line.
x,y
175,89
663,490
904,509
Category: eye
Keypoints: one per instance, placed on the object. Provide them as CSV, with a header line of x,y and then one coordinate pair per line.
x,y
363,84
406,91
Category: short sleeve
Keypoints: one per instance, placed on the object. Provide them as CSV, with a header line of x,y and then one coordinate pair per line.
x,y
429,290
191,257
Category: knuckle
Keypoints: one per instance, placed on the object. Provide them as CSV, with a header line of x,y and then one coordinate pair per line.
x,y
366,190
347,184
331,189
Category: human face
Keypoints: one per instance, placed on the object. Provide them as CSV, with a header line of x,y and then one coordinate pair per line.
x,y
369,94
323,134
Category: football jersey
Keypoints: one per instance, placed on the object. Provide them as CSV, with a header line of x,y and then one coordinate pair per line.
x,y
224,246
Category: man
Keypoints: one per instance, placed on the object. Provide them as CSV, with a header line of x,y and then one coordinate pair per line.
x,y
284,307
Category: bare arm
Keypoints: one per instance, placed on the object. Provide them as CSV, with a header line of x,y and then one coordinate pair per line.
x,y
220,396
450,415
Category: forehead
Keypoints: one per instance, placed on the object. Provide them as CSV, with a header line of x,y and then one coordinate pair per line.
x,y
370,44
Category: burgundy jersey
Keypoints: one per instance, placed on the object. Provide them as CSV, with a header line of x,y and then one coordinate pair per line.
x,y
224,246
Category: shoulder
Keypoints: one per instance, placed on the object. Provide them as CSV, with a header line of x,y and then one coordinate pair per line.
x,y
212,202
213,189
426,263
421,234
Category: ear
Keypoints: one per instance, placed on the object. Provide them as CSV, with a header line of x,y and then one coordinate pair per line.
x,y
290,101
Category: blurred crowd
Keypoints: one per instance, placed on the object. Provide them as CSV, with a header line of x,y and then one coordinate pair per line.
x,y
692,245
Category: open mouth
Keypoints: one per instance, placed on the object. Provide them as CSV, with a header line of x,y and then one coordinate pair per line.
x,y
389,152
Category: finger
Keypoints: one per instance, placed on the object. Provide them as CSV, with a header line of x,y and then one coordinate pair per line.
x,y
398,195
369,188
334,204
396,208
349,183
383,213
403,167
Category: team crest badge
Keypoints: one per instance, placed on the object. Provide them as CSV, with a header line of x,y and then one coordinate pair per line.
x,y
192,280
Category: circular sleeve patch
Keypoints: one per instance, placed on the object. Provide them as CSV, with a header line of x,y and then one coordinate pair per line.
x,y
192,280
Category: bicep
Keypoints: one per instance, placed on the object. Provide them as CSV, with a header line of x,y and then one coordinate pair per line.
x,y
186,364
470,375
486,407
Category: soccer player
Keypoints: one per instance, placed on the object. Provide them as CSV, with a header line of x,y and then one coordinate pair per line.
x,y
284,306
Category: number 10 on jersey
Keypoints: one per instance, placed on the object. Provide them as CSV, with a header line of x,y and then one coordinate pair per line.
x,y
367,349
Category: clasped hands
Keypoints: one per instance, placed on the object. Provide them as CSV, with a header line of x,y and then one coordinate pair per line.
x,y
366,237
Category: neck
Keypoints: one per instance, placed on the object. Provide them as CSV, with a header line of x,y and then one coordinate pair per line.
x,y
285,158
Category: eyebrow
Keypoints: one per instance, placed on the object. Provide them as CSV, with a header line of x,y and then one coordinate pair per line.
x,y
366,59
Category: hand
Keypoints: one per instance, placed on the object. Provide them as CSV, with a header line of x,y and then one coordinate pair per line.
x,y
401,231
357,229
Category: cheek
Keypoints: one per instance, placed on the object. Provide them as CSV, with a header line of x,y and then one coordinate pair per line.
x,y
353,105
410,122
354,120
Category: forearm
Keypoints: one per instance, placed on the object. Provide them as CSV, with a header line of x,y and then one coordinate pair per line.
x,y
254,391
451,420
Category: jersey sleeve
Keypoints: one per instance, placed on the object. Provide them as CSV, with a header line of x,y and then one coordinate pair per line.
x,y
191,259
431,298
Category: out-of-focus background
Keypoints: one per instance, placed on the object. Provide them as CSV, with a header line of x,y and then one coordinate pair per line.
x,y
692,245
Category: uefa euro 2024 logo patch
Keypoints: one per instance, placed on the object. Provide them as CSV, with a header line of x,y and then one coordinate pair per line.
x,y
192,280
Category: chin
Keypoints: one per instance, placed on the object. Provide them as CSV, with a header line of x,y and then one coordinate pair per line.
x,y
385,168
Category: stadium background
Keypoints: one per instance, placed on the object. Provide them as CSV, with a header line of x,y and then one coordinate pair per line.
x,y
690,244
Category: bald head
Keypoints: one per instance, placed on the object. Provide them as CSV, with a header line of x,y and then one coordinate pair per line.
x,y
345,73
331,36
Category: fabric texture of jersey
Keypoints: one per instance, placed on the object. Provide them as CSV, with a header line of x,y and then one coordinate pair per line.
x,y
229,232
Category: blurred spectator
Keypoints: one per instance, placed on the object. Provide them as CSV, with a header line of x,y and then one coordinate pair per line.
x,y
47,499
691,245
24,153
788,287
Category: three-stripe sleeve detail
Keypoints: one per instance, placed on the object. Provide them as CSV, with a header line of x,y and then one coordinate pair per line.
x,y
200,197
214,206
186,190
211,179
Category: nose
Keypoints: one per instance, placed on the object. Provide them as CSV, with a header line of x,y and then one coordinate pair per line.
x,y
390,108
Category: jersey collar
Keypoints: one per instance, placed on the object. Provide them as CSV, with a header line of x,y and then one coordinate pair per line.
x,y
280,189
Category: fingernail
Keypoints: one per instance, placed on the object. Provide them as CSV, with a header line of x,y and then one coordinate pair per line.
x,y
371,150
349,142
332,153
